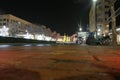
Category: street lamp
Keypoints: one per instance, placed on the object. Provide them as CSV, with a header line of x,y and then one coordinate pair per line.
x,y
80,29
95,21
94,0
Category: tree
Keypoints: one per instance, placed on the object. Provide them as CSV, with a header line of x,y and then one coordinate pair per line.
x,y
114,34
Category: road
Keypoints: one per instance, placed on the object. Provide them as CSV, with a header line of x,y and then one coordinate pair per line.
x,y
62,62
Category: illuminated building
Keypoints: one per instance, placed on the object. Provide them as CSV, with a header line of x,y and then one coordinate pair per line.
x,y
102,9
24,29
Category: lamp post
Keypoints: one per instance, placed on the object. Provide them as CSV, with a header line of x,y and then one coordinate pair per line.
x,y
79,30
95,21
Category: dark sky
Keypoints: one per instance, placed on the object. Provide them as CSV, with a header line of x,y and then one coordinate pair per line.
x,y
117,5
62,16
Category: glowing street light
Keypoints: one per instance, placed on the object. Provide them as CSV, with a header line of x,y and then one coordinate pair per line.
x,y
99,30
94,0
80,29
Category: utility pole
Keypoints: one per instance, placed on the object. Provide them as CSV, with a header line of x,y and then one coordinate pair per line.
x,y
114,34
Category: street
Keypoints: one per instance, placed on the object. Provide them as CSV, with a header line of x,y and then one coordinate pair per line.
x,y
60,62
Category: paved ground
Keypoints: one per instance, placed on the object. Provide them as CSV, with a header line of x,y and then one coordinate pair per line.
x,y
62,62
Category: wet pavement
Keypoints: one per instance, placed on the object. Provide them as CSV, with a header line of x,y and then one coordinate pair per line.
x,y
63,62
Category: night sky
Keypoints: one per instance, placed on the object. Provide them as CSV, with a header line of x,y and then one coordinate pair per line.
x,y
62,16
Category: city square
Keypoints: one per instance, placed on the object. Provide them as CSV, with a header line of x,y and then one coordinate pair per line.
x,y
61,62
60,40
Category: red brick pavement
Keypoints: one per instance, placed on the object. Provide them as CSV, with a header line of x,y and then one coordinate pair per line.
x,y
60,63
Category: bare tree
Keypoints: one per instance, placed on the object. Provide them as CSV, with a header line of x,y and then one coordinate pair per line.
x,y
114,34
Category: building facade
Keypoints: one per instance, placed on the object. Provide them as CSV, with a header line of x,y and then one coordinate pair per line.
x,y
99,14
17,27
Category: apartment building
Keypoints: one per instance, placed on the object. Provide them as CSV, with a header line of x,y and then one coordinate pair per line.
x,y
98,17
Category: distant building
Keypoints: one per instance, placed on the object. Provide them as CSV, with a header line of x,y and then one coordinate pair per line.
x,y
18,27
82,37
15,24
101,9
